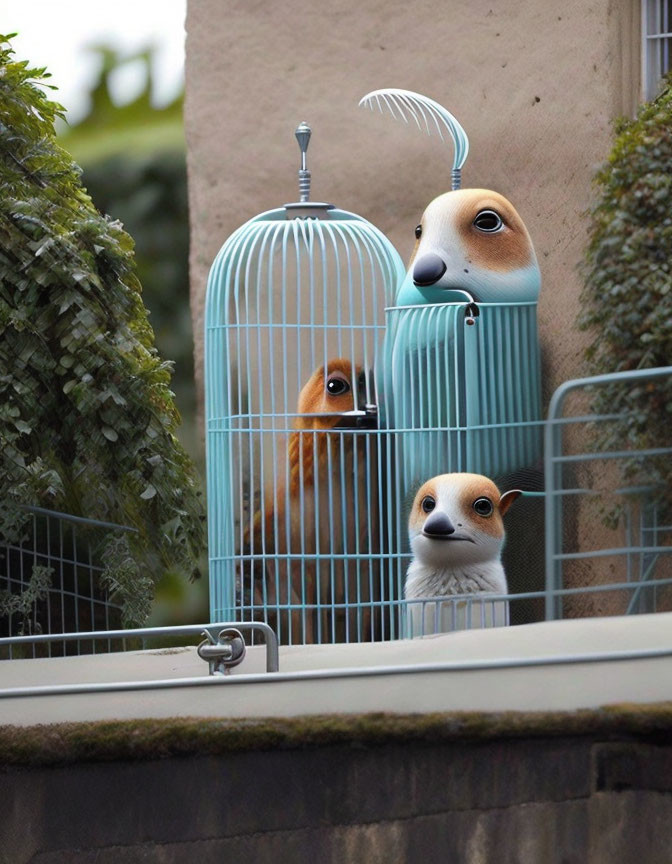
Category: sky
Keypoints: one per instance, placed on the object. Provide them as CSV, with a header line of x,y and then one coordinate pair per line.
x,y
56,33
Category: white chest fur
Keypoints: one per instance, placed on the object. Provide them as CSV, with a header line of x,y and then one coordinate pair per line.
x,y
462,613
424,580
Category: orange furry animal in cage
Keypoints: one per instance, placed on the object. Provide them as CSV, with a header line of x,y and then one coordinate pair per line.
x,y
318,532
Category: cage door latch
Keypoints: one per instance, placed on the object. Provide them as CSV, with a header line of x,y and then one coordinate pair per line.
x,y
223,653
471,313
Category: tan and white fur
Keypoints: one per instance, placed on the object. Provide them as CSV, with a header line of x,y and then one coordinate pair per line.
x,y
493,265
456,532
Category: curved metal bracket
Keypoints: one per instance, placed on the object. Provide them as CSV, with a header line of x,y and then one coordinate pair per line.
x,y
223,653
471,313
223,650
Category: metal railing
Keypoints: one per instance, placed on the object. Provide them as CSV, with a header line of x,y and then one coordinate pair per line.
x,y
645,542
50,576
218,643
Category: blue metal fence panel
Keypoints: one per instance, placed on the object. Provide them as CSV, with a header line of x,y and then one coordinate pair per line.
x,y
643,553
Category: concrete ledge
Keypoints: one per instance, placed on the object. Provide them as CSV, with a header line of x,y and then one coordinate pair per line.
x,y
66,743
568,665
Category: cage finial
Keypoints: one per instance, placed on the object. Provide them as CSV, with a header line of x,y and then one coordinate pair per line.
x,y
303,133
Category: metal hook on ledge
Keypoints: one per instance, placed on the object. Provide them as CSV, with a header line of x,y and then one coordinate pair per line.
x,y
223,653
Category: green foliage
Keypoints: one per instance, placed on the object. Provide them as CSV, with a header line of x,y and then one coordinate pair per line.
x,y
87,417
148,193
134,167
627,299
125,582
134,129
22,604
15,523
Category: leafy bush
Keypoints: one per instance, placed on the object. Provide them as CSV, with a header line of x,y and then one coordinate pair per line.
x,y
627,299
87,417
134,167
148,193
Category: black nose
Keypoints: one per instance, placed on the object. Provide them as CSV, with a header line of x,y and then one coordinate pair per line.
x,y
438,525
428,269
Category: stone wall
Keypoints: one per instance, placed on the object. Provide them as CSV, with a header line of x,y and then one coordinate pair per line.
x,y
573,799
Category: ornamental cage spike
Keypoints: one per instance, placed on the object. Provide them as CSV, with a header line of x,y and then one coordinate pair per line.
x,y
302,134
429,117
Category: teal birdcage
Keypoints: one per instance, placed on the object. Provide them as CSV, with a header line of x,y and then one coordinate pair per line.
x,y
460,371
463,383
294,320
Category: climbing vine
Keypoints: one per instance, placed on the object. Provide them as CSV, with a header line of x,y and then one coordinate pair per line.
x,y
627,299
87,417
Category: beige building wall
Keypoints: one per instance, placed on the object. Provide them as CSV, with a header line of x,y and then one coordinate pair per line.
x,y
535,83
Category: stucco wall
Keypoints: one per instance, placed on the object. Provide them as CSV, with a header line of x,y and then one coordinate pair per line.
x,y
535,83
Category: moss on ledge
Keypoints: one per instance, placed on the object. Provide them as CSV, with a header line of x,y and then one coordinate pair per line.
x,y
66,743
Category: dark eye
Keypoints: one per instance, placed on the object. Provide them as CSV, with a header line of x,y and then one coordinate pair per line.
x,y
483,506
418,231
488,221
337,386
428,503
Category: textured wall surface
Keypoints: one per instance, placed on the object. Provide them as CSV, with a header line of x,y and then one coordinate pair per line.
x,y
535,83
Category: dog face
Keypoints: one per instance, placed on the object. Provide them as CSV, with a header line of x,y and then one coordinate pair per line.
x,y
471,240
456,521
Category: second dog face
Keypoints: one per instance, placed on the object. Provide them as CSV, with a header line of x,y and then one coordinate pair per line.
x,y
456,520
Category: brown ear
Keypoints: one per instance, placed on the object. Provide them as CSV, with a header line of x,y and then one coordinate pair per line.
x,y
507,499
